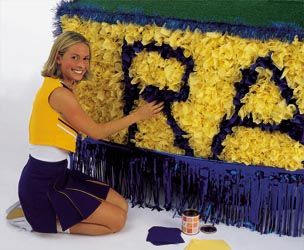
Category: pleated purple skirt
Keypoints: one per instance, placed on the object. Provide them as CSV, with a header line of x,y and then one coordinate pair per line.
x,y
49,190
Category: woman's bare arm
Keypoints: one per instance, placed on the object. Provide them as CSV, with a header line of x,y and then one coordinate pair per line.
x,y
64,102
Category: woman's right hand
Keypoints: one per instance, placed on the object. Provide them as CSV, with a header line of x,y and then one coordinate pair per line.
x,y
148,110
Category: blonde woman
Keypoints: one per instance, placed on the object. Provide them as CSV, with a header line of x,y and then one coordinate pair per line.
x,y
53,197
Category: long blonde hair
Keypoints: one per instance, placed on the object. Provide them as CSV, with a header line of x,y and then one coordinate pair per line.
x,y
60,46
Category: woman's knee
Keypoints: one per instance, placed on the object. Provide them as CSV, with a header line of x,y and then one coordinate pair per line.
x,y
119,221
117,199
124,205
108,215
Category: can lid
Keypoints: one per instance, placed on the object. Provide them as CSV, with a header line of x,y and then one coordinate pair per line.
x,y
190,212
208,229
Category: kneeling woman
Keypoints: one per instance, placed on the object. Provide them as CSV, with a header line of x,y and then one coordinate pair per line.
x,y
51,194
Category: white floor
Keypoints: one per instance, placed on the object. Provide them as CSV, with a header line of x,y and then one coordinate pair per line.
x,y
25,43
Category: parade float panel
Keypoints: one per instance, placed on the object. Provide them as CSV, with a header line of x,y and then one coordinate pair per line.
x,y
230,139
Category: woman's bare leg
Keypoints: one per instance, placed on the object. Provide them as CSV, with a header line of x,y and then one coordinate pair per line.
x,y
107,218
89,229
116,199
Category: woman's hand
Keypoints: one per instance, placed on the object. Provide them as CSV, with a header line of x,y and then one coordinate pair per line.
x,y
148,110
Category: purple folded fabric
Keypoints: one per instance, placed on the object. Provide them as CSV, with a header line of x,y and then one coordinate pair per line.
x,y
164,235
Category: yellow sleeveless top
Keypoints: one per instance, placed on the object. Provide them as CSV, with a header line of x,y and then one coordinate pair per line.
x,y
46,126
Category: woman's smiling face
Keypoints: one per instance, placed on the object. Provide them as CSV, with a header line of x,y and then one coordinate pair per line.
x,y
74,63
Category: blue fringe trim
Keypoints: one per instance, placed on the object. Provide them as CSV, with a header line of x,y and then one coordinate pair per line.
x,y
283,32
263,199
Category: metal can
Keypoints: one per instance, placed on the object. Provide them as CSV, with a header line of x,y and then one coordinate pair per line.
x,y
190,222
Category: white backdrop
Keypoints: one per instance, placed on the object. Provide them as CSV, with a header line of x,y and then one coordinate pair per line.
x,y
26,38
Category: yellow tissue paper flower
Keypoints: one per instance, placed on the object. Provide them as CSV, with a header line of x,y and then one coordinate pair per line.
x,y
150,68
265,103
256,147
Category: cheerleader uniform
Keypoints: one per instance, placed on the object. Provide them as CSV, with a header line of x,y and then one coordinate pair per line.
x,y
47,189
